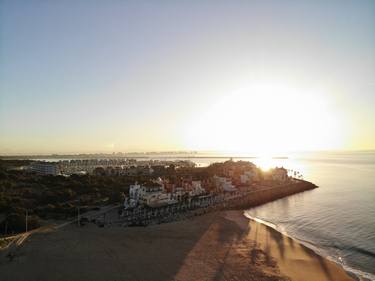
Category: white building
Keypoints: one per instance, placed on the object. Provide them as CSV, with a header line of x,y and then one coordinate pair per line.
x,y
179,193
45,168
280,174
148,195
135,191
248,176
157,199
160,182
196,188
224,184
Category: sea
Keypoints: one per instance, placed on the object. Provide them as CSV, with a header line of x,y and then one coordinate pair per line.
x,y
337,220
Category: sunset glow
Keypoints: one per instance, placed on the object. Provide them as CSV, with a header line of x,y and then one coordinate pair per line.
x,y
249,76
268,118
187,140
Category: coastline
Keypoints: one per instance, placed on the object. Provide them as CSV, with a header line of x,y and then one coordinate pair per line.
x,y
223,245
354,273
294,258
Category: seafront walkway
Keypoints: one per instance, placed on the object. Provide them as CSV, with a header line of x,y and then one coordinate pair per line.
x,y
202,204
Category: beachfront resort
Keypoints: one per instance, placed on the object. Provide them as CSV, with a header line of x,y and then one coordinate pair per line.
x,y
176,190
128,191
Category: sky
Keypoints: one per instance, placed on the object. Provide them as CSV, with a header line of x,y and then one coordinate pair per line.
x,y
89,76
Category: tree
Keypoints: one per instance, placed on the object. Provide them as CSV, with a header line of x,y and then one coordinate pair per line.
x,y
116,197
99,171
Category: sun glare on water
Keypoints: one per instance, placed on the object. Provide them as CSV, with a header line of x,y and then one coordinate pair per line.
x,y
267,118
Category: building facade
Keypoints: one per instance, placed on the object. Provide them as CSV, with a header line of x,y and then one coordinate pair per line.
x,y
45,168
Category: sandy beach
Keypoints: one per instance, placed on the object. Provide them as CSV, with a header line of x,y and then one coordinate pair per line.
x,y
216,246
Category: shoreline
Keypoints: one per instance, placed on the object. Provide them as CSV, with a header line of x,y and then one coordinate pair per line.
x,y
294,258
349,270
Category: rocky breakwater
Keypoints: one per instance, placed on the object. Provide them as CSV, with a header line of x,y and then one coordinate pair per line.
x,y
266,195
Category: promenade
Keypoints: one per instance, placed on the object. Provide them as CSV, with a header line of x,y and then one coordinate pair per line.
x,y
194,206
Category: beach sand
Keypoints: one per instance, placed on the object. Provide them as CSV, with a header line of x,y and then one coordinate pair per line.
x,y
216,246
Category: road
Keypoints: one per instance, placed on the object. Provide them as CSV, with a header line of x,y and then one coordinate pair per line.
x,y
18,239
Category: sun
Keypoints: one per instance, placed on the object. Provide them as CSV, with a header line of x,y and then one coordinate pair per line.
x,y
267,118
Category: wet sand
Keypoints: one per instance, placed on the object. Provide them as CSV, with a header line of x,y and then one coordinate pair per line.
x,y
216,246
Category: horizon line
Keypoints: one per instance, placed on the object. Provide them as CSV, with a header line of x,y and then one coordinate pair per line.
x,y
114,153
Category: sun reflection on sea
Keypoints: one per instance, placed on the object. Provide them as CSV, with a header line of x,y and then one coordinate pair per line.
x,y
268,162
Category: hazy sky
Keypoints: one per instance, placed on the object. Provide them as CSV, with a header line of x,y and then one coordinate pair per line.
x,y
103,76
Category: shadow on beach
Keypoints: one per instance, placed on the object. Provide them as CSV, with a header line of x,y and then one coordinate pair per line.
x,y
210,247
294,255
322,261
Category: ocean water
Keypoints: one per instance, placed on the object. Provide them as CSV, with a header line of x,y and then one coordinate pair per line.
x,y
338,218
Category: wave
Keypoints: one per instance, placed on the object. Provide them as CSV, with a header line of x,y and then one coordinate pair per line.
x,y
364,251
359,274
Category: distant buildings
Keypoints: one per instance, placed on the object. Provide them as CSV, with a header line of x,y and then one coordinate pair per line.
x,y
121,167
45,168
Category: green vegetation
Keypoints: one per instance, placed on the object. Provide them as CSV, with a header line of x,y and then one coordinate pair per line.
x,y
52,197
59,197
